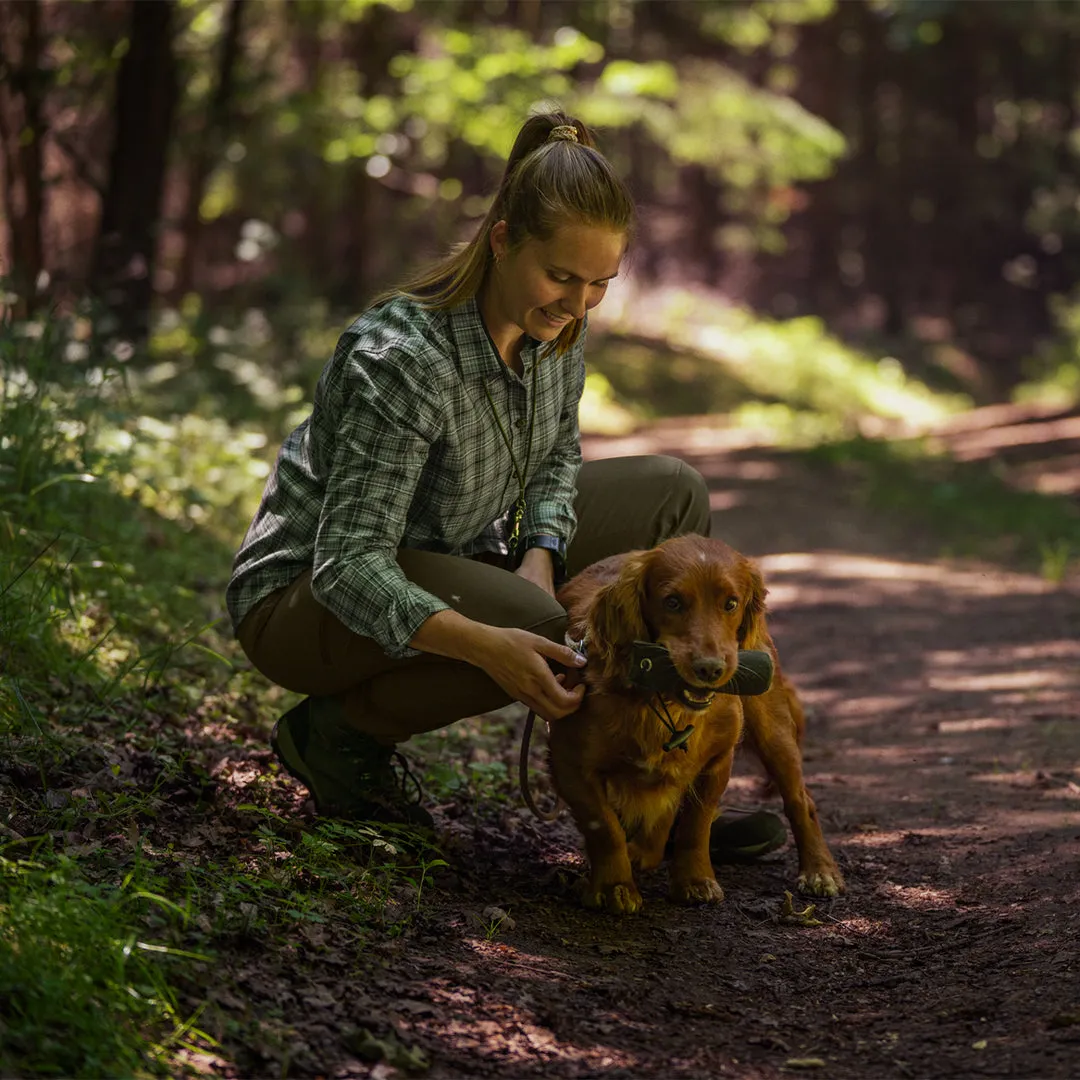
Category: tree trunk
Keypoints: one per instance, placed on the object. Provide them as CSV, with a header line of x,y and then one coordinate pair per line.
x,y
146,95
209,144
21,132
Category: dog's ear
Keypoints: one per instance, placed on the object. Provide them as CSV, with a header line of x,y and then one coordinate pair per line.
x,y
617,615
752,632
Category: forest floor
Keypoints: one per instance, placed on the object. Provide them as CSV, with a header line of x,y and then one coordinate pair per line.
x,y
943,750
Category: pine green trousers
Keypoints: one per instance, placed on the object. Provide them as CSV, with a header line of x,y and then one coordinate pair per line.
x,y
622,504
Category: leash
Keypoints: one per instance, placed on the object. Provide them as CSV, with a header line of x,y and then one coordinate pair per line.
x,y
523,775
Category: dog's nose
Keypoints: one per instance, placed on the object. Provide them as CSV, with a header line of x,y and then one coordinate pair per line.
x,y
708,668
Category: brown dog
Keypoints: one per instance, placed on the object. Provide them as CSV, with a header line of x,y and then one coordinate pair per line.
x,y
703,601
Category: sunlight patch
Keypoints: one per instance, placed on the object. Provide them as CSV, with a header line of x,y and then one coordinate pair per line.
x,y
923,895
978,723
989,582
1031,679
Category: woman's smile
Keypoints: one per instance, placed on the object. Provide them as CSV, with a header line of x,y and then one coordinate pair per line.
x,y
541,286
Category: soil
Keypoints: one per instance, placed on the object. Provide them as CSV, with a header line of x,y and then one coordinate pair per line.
x,y
942,749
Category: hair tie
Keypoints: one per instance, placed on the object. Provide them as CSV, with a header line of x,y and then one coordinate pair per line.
x,y
563,133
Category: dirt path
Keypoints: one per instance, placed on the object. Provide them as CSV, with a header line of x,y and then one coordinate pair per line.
x,y
943,751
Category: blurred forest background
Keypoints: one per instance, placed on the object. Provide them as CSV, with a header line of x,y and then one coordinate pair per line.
x,y
903,169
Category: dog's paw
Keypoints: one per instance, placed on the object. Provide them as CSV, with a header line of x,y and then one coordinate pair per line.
x,y
620,898
697,891
822,883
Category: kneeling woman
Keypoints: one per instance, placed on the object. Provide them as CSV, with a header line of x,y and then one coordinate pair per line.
x,y
402,565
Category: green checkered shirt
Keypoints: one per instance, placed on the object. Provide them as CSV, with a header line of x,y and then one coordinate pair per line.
x,y
401,450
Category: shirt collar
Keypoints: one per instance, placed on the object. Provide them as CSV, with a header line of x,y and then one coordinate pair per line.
x,y
476,356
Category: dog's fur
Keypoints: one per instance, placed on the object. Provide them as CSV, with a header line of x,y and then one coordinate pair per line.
x,y
703,601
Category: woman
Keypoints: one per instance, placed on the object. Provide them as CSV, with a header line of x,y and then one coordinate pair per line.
x,y
402,565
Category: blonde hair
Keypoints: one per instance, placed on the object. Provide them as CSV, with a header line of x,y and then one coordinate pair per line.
x,y
554,176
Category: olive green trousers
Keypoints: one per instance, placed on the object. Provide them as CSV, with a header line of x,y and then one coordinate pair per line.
x,y
622,504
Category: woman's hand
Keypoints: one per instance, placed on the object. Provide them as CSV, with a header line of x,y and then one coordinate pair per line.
x,y
537,566
515,659
518,661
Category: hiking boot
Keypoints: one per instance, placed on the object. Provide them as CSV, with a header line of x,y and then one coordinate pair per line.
x,y
349,774
749,836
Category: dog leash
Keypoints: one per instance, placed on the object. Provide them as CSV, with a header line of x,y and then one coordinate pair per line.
x,y
523,775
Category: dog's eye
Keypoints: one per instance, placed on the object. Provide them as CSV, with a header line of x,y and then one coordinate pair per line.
x,y
730,604
673,602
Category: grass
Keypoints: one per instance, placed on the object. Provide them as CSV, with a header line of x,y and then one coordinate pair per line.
x,y
679,353
84,975
146,841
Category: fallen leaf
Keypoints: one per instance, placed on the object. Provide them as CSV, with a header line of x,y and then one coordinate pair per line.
x,y
789,915
1063,1019
805,1063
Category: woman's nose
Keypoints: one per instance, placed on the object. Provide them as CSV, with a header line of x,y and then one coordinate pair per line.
x,y
575,302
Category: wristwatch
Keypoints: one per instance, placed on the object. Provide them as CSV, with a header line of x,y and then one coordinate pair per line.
x,y
556,546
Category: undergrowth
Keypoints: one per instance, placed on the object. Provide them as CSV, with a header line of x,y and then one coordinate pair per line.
x,y
145,836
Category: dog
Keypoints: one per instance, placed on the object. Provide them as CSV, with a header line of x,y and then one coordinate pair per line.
x,y
703,601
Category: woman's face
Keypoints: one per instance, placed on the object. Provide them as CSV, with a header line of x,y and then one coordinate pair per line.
x,y
540,286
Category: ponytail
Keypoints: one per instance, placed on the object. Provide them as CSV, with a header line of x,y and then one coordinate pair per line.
x,y
553,176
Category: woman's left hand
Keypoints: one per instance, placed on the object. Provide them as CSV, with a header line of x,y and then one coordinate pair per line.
x,y
537,567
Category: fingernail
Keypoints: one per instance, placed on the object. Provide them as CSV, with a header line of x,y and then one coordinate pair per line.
x,y
580,660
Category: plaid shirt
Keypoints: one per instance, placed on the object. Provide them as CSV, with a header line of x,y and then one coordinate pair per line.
x,y
401,450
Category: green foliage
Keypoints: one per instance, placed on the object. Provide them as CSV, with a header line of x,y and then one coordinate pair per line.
x,y
112,712
1054,371
685,354
84,980
416,118
478,86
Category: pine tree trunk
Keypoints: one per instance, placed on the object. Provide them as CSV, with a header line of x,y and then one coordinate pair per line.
x,y
21,133
146,95
209,144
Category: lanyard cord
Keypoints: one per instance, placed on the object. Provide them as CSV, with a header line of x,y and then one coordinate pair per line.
x,y
678,735
519,471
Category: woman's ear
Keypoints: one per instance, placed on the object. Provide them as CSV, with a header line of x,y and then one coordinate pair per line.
x,y
751,632
617,616
499,239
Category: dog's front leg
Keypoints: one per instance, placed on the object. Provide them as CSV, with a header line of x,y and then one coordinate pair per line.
x,y
693,880
773,733
611,880
648,847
